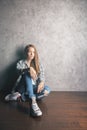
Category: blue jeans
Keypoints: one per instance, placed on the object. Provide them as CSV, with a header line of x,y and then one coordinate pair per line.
x,y
28,90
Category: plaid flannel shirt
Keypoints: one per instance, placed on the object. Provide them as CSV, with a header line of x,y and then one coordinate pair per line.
x,y
22,65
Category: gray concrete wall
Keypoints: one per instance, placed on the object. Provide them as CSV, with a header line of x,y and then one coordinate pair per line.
x,y
58,28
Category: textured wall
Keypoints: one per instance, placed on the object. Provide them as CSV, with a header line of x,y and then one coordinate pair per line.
x,y
59,30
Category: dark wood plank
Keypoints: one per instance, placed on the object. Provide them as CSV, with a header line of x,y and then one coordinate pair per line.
x,y
61,111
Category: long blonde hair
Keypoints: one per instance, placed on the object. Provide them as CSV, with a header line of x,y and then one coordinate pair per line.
x,y
35,61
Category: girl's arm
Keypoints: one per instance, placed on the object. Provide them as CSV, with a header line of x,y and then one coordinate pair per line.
x,y
21,67
41,79
33,73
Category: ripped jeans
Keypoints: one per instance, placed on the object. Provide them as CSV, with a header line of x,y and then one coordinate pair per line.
x,y
28,90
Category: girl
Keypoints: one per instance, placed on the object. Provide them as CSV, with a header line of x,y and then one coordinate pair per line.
x,y
32,82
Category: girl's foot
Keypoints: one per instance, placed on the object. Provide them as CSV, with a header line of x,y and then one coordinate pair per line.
x,y
35,110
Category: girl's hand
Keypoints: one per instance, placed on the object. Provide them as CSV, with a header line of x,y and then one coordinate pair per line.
x,y
40,87
33,73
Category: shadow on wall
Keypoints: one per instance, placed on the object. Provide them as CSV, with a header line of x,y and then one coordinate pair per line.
x,y
9,75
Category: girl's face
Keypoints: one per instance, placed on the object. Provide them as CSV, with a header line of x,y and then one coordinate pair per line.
x,y
31,53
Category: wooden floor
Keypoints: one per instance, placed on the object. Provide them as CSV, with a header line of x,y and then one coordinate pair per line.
x,y
61,111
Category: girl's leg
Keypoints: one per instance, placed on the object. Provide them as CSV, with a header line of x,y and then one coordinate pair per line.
x,y
29,86
45,92
35,110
